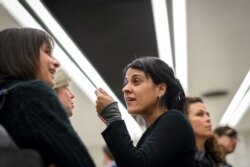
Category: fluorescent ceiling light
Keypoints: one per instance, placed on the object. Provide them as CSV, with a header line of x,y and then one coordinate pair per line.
x,y
160,14
241,110
159,8
19,13
239,105
180,39
87,84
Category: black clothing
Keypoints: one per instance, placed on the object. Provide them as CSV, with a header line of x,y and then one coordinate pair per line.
x,y
169,142
35,119
225,164
20,158
203,159
12,156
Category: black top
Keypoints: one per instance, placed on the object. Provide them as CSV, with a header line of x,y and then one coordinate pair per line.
x,y
169,142
225,164
35,119
203,159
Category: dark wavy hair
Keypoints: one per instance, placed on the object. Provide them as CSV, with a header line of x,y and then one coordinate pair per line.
x,y
20,52
213,149
160,72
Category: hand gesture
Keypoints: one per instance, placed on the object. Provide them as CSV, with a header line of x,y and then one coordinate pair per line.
x,y
103,99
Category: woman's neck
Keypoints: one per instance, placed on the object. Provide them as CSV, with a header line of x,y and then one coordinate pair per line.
x,y
200,143
153,116
223,154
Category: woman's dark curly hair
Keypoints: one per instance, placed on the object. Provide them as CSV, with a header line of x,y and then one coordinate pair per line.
x,y
213,149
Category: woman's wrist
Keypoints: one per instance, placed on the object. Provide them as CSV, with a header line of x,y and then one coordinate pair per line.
x,y
110,113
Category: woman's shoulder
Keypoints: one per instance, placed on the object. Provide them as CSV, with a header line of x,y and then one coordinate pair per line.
x,y
175,119
28,90
27,83
29,96
27,86
173,113
171,118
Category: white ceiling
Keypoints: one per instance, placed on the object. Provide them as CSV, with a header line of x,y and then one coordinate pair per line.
x,y
218,51
218,59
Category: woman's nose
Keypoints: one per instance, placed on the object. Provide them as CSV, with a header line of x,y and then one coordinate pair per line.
x,y
208,118
56,62
72,95
126,88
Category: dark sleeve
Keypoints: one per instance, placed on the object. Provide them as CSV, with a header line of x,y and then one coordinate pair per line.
x,y
164,144
45,127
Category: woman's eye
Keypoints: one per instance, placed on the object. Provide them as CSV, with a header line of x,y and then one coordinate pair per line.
x,y
48,51
199,114
136,81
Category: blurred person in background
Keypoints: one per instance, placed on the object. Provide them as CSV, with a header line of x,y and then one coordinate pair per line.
x,y
65,95
227,139
207,151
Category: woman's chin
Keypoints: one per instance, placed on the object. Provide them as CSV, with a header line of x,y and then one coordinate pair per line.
x,y
132,112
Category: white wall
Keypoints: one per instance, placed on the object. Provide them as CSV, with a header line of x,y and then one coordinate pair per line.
x,y
87,124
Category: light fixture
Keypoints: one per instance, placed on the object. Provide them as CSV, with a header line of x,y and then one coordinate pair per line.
x,y
75,63
161,21
180,41
159,8
239,105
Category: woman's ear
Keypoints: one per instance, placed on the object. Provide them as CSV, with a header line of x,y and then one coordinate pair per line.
x,y
162,88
